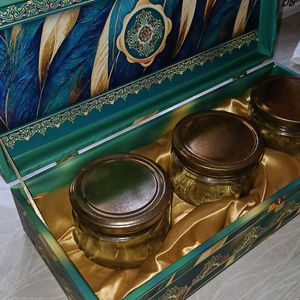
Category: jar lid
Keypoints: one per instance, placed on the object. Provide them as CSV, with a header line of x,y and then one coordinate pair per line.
x,y
217,143
277,99
120,194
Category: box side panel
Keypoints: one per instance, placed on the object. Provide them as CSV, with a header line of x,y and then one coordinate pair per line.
x,y
267,33
67,276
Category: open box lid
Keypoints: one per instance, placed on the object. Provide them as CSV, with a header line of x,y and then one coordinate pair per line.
x,y
159,54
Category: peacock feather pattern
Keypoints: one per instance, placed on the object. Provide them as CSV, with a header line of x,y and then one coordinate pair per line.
x,y
54,62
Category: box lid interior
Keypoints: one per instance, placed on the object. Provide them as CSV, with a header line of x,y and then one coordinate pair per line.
x,y
134,79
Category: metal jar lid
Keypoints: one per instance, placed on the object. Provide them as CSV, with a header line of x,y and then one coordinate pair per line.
x,y
218,144
277,100
120,194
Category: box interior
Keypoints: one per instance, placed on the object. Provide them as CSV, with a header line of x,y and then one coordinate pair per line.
x,y
143,134
149,130
49,152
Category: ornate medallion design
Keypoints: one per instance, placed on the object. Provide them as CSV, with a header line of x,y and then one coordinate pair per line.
x,y
144,33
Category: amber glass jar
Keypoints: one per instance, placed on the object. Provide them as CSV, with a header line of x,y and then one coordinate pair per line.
x,y
275,108
122,209
214,155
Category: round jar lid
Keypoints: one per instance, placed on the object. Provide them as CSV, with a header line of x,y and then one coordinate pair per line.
x,y
217,143
277,99
120,194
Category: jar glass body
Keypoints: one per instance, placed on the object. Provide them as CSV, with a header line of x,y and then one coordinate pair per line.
x,y
121,252
284,140
196,188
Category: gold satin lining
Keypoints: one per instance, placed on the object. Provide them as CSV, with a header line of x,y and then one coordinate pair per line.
x,y
190,226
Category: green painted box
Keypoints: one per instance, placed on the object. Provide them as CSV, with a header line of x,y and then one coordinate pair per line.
x,y
82,78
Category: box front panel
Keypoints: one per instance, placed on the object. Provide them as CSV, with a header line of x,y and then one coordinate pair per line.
x,y
187,281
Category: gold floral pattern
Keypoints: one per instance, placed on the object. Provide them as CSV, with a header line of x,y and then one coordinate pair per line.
x,y
180,292
249,238
216,261
33,8
290,208
83,109
144,33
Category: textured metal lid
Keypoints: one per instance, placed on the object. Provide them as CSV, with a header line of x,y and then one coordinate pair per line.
x,y
217,143
277,99
120,194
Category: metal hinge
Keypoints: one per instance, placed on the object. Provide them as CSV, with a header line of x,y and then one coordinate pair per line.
x,y
265,63
66,158
277,205
240,76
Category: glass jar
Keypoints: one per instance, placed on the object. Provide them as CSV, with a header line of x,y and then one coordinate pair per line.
x,y
275,109
122,209
214,155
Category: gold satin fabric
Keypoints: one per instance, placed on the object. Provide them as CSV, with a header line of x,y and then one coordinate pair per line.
x,y
190,226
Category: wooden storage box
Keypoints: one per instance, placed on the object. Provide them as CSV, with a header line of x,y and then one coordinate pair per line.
x,y
78,80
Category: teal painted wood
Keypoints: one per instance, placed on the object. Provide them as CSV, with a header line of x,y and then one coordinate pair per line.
x,y
9,2
71,281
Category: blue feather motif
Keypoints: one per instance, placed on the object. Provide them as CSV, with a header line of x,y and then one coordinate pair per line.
x,y
172,9
253,15
3,53
190,45
19,75
120,70
220,24
69,74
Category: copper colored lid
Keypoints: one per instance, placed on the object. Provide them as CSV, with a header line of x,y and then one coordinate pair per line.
x,y
217,143
277,99
120,194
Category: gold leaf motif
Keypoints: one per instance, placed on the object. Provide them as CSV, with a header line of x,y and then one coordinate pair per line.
x,y
55,30
208,8
241,19
187,15
14,35
100,74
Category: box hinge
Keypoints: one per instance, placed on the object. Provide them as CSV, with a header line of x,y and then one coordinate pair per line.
x,y
238,77
277,205
66,158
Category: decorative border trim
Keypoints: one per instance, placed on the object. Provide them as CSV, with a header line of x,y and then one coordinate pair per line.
x,y
34,8
84,108
216,261
181,292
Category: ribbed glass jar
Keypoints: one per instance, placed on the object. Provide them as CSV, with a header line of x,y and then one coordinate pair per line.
x,y
214,155
275,109
122,209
